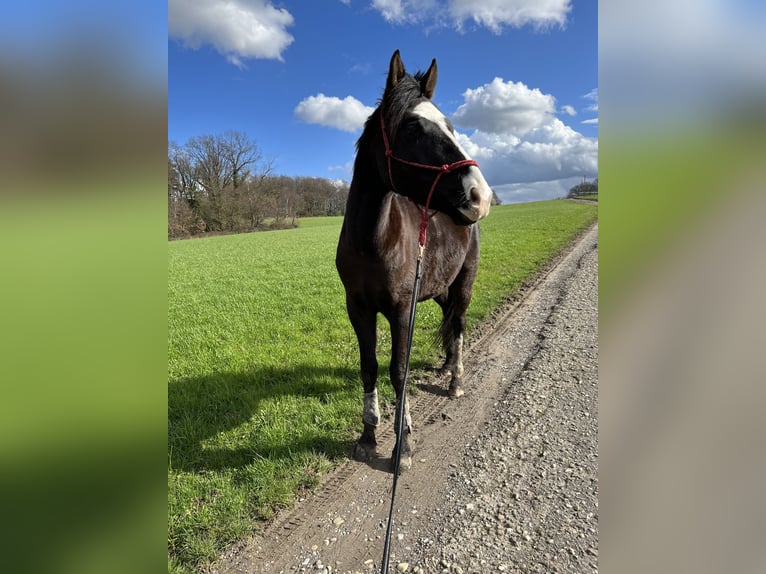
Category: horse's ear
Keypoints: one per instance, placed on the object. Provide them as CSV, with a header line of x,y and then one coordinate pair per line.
x,y
428,81
395,71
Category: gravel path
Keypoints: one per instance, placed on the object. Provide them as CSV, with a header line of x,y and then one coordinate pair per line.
x,y
524,495
504,479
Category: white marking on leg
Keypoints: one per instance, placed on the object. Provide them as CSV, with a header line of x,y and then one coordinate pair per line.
x,y
407,418
459,354
371,412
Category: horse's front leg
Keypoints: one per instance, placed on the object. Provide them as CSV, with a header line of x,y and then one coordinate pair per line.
x,y
364,321
399,333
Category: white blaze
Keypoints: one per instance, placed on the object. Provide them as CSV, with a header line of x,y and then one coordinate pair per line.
x,y
475,187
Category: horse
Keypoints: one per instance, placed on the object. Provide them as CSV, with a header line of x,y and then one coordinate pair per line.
x,y
410,174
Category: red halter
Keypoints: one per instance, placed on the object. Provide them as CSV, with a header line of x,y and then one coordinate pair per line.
x,y
442,169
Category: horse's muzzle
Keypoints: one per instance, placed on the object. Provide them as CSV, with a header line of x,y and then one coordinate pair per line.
x,y
478,195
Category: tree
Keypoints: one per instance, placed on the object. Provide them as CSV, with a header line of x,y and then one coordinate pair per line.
x,y
280,193
221,164
322,196
255,204
182,219
220,183
585,188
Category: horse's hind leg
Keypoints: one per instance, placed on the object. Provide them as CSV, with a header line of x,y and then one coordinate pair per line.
x,y
448,338
363,319
399,334
452,330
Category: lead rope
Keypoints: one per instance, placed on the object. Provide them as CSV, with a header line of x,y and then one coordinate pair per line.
x,y
400,405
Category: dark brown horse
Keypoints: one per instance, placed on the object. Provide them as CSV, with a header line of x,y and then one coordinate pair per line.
x,y
407,157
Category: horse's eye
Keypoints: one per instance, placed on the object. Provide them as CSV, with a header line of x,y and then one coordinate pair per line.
x,y
412,127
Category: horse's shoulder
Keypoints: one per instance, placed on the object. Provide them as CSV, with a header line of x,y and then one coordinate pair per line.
x,y
394,227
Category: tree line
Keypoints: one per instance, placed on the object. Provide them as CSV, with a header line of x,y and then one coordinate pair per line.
x,y
584,190
222,184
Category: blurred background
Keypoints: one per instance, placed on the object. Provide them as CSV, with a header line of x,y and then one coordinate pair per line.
x,y
83,267
682,274
83,121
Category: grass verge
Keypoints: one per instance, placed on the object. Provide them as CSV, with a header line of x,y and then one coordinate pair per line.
x,y
264,395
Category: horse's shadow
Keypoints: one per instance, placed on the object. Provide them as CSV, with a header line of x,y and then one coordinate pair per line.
x,y
433,388
380,462
430,378
202,408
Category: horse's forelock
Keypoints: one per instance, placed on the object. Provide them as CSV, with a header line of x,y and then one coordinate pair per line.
x,y
398,101
394,104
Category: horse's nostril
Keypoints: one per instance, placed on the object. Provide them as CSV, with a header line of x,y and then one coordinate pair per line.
x,y
475,195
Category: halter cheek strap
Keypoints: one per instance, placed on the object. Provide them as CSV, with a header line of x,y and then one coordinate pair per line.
x,y
425,217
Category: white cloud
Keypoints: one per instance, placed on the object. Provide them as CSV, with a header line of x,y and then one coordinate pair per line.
x,y
363,68
568,110
493,14
238,29
504,107
391,10
517,139
535,191
346,169
348,114
592,96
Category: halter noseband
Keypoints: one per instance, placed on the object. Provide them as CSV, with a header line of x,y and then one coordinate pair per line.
x,y
442,169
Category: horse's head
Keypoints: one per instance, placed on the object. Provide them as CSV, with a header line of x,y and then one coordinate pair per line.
x,y
423,158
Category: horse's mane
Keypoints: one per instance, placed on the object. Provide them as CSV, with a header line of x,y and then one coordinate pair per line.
x,y
395,102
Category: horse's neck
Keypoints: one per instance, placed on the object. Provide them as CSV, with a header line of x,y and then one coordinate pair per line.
x,y
365,200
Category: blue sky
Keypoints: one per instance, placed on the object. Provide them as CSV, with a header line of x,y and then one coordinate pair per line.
x,y
518,78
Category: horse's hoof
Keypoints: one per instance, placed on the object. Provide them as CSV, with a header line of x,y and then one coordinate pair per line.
x,y
405,463
455,392
363,452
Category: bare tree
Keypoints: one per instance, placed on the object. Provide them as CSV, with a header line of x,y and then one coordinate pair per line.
x,y
587,189
239,153
182,175
322,196
221,164
182,217
222,183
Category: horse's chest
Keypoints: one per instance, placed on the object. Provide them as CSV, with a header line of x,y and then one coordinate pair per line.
x,y
384,269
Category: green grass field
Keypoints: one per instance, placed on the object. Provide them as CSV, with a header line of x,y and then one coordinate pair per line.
x,y
587,196
264,394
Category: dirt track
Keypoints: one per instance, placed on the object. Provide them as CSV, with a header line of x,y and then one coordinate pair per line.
x,y
504,479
